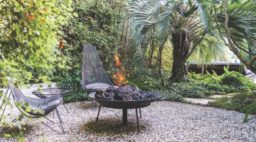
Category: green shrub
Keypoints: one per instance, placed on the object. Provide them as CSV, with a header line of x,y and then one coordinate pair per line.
x,y
189,88
75,96
244,102
237,80
197,85
146,83
30,35
172,96
96,23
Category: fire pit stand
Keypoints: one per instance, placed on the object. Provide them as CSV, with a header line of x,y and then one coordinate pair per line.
x,y
124,105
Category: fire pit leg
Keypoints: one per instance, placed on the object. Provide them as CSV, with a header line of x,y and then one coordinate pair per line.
x,y
97,118
124,116
140,112
137,118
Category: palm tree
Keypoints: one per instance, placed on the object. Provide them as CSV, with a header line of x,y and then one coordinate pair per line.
x,y
238,22
187,22
178,21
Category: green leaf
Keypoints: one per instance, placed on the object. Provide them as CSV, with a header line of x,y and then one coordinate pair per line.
x,y
203,6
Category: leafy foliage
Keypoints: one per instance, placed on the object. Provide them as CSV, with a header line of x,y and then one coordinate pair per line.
x,y
96,23
76,96
193,20
29,34
244,102
236,22
238,81
198,85
210,50
204,85
28,40
175,20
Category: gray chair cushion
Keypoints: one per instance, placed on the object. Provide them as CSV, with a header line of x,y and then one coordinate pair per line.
x,y
97,87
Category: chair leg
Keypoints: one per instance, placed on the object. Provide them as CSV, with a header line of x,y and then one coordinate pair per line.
x,y
65,108
60,120
4,97
58,115
97,118
49,120
4,103
137,119
50,127
14,120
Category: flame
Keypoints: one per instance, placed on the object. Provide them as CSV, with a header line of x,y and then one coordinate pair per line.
x,y
119,79
119,76
117,60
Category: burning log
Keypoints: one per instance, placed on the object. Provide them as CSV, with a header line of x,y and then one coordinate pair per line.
x,y
126,93
122,91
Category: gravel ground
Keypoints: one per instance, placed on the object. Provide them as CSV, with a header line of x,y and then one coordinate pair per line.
x,y
162,121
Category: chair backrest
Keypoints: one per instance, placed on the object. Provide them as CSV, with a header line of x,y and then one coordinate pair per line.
x,y
17,94
19,98
92,68
26,105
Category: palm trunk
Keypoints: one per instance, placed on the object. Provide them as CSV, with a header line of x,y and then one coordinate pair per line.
x,y
180,50
160,57
151,53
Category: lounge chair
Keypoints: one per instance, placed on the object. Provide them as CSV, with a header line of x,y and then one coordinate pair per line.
x,y
37,107
94,76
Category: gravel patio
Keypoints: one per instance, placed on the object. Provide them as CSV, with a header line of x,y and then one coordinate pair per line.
x,y
162,121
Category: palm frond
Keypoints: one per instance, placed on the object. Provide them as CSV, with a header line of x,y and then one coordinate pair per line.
x,y
203,6
147,14
210,50
242,21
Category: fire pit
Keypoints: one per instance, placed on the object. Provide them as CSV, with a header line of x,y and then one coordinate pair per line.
x,y
125,97
102,89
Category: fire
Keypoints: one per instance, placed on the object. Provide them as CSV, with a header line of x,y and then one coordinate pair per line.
x,y
119,76
117,60
119,79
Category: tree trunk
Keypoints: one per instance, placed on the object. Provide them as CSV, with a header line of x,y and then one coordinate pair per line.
x,y
181,46
160,55
151,53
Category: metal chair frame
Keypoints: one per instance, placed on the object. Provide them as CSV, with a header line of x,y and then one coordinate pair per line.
x,y
8,94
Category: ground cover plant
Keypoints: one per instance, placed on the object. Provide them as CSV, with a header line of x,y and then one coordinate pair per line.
x,y
243,102
198,85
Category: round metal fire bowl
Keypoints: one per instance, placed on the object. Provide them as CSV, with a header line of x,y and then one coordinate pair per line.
x,y
124,104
